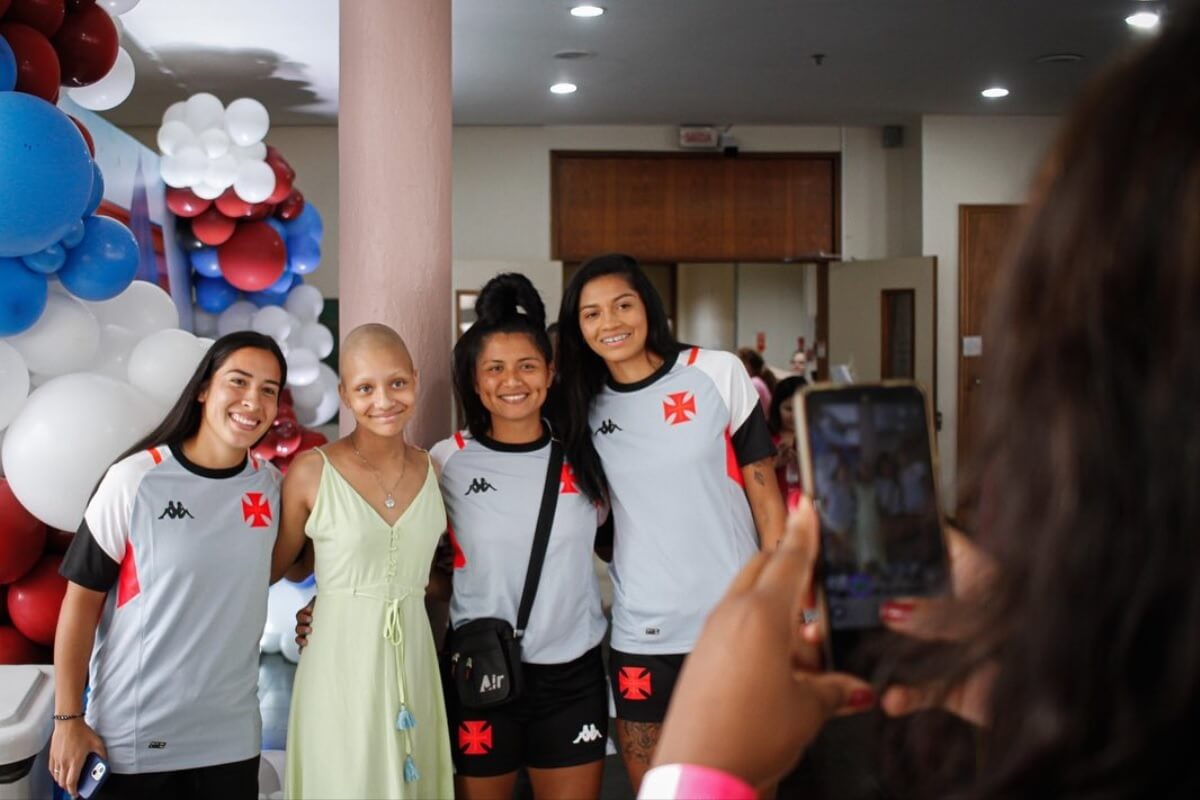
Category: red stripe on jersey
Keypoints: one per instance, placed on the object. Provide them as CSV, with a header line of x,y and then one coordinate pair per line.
x,y
459,440
155,455
692,356
254,461
731,462
460,558
127,581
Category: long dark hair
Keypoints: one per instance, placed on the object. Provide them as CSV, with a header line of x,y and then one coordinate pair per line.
x,y
581,373
784,391
183,420
1091,451
508,303
757,367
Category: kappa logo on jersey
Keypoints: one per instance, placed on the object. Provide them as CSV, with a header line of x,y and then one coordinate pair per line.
x,y
475,737
256,510
479,486
567,481
588,733
634,683
679,407
608,428
175,510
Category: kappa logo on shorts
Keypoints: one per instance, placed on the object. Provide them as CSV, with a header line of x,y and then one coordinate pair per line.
x,y
256,510
588,733
175,510
608,428
479,486
634,683
475,737
679,407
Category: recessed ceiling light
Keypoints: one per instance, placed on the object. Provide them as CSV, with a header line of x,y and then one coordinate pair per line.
x,y
1059,58
563,88
995,91
573,55
1143,20
587,11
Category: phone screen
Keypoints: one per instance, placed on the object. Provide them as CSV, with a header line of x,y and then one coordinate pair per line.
x,y
871,472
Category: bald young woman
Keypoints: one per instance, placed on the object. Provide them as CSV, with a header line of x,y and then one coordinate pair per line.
x,y
367,717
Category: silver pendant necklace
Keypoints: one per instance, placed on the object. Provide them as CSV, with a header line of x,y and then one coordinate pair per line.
x,y
388,500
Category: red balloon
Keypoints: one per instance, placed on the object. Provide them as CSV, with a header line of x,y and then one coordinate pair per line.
x,y
75,5
4,6
45,16
15,648
291,206
22,536
310,439
185,203
87,135
265,449
253,258
259,211
86,45
282,463
232,206
58,541
213,228
38,71
35,600
283,182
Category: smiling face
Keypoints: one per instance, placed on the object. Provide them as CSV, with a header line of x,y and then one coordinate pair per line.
x,y
512,379
379,386
612,318
241,399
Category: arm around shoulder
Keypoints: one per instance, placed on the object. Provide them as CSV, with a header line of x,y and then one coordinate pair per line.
x,y
298,495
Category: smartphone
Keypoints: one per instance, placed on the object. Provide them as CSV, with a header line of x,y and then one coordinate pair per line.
x,y
867,460
92,776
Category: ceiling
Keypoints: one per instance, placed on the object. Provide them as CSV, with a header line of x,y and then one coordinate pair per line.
x,y
653,61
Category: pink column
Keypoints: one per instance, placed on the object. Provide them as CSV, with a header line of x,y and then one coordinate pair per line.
x,y
394,121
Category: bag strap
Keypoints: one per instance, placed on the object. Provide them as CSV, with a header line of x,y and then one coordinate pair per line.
x,y
541,535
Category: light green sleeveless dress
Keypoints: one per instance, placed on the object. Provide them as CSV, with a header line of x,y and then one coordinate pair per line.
x,y
367,717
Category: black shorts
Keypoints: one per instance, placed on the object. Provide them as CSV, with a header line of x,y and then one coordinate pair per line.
x,y
642,684
560,720
234,781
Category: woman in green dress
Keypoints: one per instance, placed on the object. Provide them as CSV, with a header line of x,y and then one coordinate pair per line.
x,y
367,718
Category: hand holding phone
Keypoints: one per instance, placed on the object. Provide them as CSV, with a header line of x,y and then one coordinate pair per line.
x,y
92,776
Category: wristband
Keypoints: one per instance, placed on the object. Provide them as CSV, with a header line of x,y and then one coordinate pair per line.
x,y
65,717
681,781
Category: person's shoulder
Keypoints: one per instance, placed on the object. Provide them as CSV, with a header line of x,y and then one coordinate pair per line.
x,y
305,471
441,452
135,465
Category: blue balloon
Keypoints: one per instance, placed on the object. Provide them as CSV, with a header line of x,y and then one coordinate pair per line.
x,y
45,174
214,295
8,67
278,227
104,263
74,236
48,261
283,285
304,254
307,223
266,298
22,296
204,261
97,194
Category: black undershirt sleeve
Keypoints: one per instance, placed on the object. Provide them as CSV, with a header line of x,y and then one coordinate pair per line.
x,y
752,441
87,564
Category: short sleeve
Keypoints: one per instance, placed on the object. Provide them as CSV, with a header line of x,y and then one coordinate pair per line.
x,y
747,422
94,558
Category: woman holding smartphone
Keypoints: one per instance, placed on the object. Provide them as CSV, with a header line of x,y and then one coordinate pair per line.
x,y
493,478
677,438
167,594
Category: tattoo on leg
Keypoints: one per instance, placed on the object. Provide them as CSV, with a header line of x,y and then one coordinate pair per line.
x,y
638,740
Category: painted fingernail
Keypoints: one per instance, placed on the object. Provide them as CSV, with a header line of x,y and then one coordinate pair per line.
x,y
896,610
793,500
861,698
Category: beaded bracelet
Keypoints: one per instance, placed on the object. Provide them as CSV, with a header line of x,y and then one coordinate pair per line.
x,y
65,717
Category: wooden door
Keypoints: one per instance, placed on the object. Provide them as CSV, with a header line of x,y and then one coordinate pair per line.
x,y
984,235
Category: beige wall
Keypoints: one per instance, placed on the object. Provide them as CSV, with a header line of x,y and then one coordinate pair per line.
x,y
706,313
774,299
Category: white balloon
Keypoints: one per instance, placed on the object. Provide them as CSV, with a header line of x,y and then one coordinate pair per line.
x,y
255,181
284,599
174,112
222,171
215,142
306,302
116,343
289,648
204,111
65,437
111,90
142,308
37,379
205,343
204,323
309,396
64,339
116,8
162,363
206,191
316,337
1,450
247,121
254,152
173,172
236,318
174,136
14,383
302,367
272,321
327,408
192,163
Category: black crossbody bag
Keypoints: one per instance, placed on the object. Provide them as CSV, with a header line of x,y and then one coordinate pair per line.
x,y
485,654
